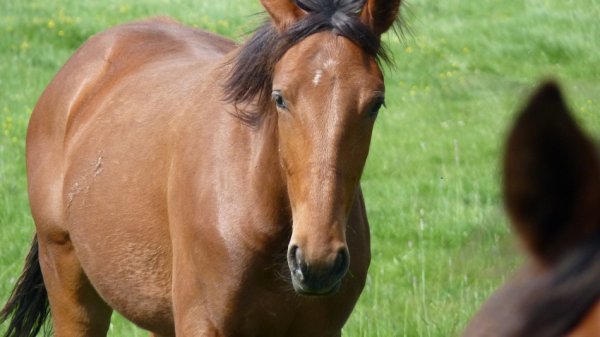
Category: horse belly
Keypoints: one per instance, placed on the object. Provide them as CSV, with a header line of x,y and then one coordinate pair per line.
x,y
116,211
132,274
121,238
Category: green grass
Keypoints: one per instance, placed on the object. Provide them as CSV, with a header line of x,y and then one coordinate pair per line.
x,y
440,240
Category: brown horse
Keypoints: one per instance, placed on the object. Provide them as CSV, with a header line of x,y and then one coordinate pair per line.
x,y
201,189
552,194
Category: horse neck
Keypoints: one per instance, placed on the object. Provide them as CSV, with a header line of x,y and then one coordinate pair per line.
x,y
590,324
264,171
247,154
269,217
264,159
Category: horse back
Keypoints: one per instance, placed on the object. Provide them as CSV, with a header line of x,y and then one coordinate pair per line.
x,y
105,65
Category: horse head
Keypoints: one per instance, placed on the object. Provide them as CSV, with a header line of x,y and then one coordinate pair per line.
x,y
315,68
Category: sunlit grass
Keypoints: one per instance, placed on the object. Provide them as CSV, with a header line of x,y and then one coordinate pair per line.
x,y
440,241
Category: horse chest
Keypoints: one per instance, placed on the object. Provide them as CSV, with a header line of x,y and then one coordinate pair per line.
x,y
271,314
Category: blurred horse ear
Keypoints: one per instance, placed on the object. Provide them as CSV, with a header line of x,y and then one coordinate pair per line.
x,y
380,15
551,178
283,12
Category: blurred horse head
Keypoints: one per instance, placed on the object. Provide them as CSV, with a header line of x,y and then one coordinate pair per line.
x,y
552,195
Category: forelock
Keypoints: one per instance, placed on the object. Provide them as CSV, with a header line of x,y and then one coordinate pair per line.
x,y
251,74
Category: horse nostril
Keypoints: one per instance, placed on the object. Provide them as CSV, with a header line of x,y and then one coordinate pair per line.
x,y
292,254
342,262
323,276
296,262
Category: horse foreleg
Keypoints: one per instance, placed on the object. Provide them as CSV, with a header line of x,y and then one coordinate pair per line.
x,y
77,309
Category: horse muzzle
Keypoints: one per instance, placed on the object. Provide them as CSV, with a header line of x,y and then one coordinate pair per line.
x,y
317,278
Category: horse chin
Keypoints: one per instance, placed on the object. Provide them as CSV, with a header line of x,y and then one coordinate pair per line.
x,y
313,292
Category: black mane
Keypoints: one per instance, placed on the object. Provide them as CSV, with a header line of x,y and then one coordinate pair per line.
x,y
252,68
568,295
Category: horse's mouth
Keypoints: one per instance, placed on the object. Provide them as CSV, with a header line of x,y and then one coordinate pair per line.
x,y
316,291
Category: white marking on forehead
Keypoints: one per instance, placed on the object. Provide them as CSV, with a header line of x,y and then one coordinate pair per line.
x,y
317,77
330,63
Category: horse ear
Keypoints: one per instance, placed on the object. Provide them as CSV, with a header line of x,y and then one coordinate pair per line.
x,y
283,12
380,15
551,178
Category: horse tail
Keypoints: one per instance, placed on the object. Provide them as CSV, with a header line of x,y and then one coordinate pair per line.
x,y
28,307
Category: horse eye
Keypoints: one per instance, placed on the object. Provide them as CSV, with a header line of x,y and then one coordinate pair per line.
x,y
278,99
375,107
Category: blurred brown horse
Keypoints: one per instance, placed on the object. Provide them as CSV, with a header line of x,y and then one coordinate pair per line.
x,y
197,187
552,194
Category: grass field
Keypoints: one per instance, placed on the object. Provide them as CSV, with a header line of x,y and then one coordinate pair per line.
x,y
440,241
